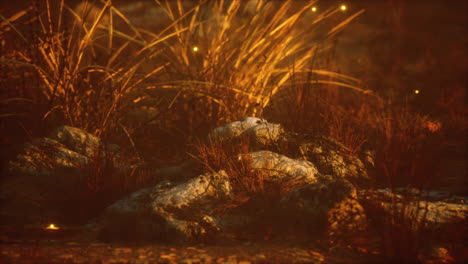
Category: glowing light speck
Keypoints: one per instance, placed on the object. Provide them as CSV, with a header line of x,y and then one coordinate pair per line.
x,y
52,227
343,7
314,9
195,49
416,91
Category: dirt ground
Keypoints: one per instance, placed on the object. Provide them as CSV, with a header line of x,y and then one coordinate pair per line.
x,y
73,244
60,251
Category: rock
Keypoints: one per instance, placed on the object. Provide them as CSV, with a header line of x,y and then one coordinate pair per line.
x,y
77,140
265,133
280,169
332,158
256,128
86,144
43,156
40,175
330,205
442,208
440,215
51,166
168,212
69,147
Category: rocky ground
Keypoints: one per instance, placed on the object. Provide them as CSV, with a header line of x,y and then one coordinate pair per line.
x,y
166,222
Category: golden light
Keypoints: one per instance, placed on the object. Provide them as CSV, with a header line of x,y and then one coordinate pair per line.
x,y
138,99
52,227
343,7
416,91
195,49
314,9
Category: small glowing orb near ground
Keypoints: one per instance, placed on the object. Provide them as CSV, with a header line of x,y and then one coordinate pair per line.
x,y
343,7
314,9
195,49
52,227
416,91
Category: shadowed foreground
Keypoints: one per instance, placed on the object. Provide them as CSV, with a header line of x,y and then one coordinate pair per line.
x,y
70,251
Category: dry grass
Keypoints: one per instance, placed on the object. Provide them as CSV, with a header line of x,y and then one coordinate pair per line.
x,y
216,156
243,58
81,80
91,72
408,146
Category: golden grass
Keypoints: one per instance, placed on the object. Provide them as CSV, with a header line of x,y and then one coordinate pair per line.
x,y
242,59
90,70
83,82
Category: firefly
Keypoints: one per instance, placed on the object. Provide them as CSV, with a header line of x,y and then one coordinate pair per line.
x,y
416,91
314,9
195,49
343,7
52,227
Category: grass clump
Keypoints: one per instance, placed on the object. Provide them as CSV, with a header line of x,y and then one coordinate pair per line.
x,y
81,67
236,56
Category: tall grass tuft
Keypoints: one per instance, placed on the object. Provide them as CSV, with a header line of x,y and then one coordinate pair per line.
x,y
78,67
404,141
82,67
237,55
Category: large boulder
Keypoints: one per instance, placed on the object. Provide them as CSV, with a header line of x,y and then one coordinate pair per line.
x,y
168,212
328,155
190,207
43,156
67,147
430,220
49,167
431,210
199,208
328,207
94,148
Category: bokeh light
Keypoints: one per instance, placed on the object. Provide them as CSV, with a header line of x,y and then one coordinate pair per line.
x,y
195,49
314,9
343,7
416,91
52,227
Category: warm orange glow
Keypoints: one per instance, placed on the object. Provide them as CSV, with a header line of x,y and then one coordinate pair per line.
x,y
52,227
314,9
433,126
416,91
343,7
195,49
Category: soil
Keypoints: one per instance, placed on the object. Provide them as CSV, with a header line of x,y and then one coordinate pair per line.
x,y
74,244
48,247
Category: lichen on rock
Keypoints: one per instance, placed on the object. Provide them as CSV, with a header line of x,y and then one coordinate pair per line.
x,y
278,168
170,212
